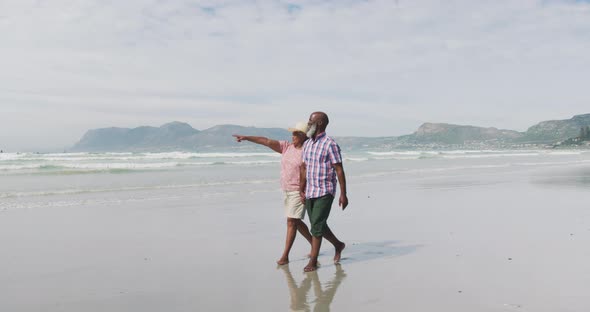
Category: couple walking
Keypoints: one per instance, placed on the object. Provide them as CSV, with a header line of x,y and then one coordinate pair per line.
x,y
309,169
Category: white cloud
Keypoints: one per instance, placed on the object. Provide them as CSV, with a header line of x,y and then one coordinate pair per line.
x,y
377,67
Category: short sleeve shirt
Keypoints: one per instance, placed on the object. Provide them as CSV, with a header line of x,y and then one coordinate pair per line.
x,y
290,166
319,156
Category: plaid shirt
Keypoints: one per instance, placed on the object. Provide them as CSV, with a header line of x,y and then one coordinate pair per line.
x,y
319,155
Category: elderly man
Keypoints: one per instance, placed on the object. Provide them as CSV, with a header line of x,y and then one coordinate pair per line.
x,y
322,163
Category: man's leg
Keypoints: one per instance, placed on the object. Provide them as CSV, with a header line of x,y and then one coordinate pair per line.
x,y
338,245
316,243
318,210
291,232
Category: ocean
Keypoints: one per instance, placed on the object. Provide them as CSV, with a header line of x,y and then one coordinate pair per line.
x,y
32,180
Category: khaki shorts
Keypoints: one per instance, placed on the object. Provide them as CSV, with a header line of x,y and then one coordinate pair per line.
x,y
294,208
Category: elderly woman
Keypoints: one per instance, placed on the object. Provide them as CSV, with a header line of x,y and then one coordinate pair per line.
x,y
291,162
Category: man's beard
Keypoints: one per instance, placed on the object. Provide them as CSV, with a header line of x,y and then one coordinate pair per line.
x,y
311,131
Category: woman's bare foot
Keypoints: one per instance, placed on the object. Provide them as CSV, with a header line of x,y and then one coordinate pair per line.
x,y
283,261
338,254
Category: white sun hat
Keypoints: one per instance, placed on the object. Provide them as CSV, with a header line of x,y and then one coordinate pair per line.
x,y
300,126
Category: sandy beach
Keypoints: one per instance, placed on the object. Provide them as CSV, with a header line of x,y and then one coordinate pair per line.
x,y
479,238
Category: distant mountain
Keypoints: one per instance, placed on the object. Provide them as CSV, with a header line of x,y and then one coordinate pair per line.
x,y
546,132
556,130
172,136
442,133
181,136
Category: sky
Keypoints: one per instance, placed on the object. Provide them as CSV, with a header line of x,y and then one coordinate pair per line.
x,y
378,68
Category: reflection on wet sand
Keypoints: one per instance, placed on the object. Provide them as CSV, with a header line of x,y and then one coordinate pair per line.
x,y
324,294
579,178
367,251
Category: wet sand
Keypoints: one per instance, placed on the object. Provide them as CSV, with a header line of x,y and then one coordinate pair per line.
x,y
464,240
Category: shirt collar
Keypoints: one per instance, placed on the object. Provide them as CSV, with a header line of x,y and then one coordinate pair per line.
x,y
319,136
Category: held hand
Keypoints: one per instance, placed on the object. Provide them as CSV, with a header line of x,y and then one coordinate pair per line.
x,y
302,197
343,202
238,137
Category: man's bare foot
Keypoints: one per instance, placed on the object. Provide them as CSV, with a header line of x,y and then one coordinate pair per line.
x,y
283,261
338,253
311,266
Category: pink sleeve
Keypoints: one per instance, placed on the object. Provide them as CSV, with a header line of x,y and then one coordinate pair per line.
x,y
284,145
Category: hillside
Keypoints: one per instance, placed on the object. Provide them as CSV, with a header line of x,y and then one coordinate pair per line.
x,y
172,136
442,133
181,136
552,131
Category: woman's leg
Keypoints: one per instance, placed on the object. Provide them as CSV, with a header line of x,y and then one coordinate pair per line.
x,y
291,233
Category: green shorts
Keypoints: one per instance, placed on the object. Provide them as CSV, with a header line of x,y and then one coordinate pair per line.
x,y
318,210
